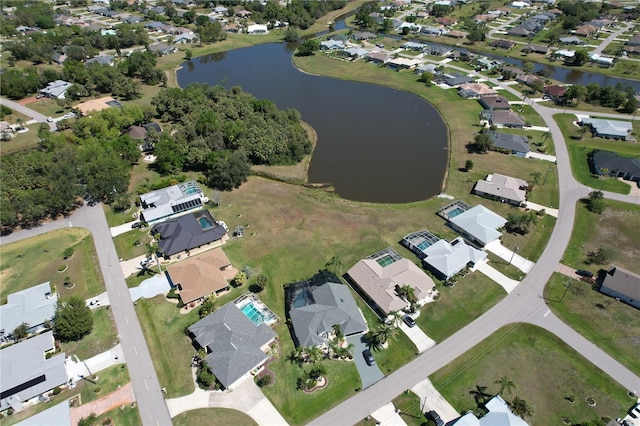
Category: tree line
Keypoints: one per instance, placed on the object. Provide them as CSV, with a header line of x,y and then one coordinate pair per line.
x,y
298,13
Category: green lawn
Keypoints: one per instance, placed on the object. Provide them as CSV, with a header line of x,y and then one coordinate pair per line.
x,y
459,306
616,229
580,149
133,243
213,417
21,141
611,325
103,336
127,416
410,408
544,370
118,218
26,263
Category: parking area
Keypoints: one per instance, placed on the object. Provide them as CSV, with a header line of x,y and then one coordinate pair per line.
x,y
369,374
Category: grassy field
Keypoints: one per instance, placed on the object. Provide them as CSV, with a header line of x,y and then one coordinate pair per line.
x,y
103,336
132,244
21,141
611,325
36,260
127,416
213,417
117,218
616,229
544,370
579,149
410,410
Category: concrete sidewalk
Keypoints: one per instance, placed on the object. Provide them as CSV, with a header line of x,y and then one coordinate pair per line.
x,y
504,253
537,207
501,279
431,399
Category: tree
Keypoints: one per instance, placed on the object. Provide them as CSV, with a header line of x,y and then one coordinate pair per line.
x,y
426,78
482,142
528,67
396,317
631,105
291,34
373,340
601,256
188,54
207,307
520,408
385,332
226,172
520,223
335,265
90,420
386,26
480,394
204,376
264,381
308,47
580,57
240,279
21,331
73,320
468,165
408,292
261,282
595,202
506,384
577,93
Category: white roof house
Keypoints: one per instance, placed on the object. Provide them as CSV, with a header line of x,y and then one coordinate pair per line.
x,y
602,60
479,224
33,306
332,45
448,258
257,29
27,373
174,200
56,89
499,414
613,129
504,188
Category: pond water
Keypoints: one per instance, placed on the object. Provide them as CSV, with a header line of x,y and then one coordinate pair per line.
x,y
375,144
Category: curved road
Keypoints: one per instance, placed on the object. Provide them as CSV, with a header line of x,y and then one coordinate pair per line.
x,y
40,118
524,305
151,404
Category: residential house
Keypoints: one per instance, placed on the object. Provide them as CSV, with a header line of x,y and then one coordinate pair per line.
x,y
412,45
633,41
544,18
556,12
585,30
446,21
555,93
189,232
498,413
572,40
502,188
502,44
475,90
220,10
316,310
403,63
535,48
132,19
100,60
623,285
354,53
231,27
33,306
456,34
6,131
96,105
609,129
161,49
433,31
411,26
235,345
494,103
241,13
565,54
202,275
56,89
363,35
478,224
58,58
514,70
173,200
515,144
519,4
483,62
419,241
505,119
154,26
445,259
185,38
430,68
437,50
380,275
605,61
331,45
257,29
530,80
27,371
609,163
455,79
158,10
519,31
378,57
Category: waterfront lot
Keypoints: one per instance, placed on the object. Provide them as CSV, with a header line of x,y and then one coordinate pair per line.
x,y
545,372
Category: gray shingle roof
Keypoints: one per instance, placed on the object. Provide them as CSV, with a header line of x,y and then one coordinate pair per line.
x,y
234,342
34,306
27,373
185,233
324,307
514,143
629,168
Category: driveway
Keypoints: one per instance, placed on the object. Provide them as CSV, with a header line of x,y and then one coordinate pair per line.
x,y
537,207
388,416
77,369
121,229
501,279
504,253
369,374
541,156
431,399
418,337
150,288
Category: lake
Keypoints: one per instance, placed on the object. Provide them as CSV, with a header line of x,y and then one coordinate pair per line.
x,y
375,144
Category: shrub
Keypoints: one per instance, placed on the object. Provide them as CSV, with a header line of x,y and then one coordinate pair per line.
x,y
264,381
56,390
68,252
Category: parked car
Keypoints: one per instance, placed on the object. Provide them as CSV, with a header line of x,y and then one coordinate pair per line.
x,y
380,45
49,120
136,225
435,417
368,356
584,273
409,321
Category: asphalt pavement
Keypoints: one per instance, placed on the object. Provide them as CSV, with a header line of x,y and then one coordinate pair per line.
x,y
40,118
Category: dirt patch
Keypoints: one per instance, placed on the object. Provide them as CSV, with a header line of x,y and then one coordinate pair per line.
x,y
27,101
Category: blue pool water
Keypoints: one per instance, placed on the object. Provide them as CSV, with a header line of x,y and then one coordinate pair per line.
x,y
205,223
253,313
424,245
455,212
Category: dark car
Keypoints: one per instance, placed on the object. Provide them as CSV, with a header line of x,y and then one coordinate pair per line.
x,y
136,225
435,417
409,321
584,273
368,356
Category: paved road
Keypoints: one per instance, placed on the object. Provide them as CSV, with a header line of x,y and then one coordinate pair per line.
x,y
609,39
151,404
40,118
524,305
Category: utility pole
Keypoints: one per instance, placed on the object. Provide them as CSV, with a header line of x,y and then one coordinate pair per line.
x,y
546,176
513,254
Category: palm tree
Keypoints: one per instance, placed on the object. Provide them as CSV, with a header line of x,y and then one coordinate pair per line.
x,y
408,292
385,331
373,340
396,317
480,394
520,408
313,354
506,384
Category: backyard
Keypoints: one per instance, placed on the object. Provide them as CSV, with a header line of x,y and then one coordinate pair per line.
x,y
532,359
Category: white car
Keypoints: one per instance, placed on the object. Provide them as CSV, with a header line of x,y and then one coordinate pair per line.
x,y
69,115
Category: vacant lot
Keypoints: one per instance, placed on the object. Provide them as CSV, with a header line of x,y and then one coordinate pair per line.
x,y
613,326
213,417
545,372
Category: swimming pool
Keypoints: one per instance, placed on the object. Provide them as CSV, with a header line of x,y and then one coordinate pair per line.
x,y
455,212
253,313
205,222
